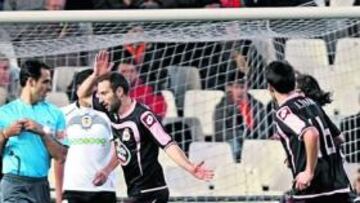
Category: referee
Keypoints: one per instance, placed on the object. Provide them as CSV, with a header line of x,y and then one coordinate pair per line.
x,y
29,127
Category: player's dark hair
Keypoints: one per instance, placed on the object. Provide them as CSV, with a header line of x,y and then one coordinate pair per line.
x,y
116,80
236,77
311,88
31,69
77,80
281,76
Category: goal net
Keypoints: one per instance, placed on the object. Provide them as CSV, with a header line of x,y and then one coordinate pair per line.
x,y
205,81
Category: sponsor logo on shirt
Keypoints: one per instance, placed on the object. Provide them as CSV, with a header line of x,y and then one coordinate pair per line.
x,y
149,120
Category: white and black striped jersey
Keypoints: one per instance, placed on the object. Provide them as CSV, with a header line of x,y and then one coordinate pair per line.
x,y
293,117
138,136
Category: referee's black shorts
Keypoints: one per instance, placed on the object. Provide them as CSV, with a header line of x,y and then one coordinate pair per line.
x,y
89,197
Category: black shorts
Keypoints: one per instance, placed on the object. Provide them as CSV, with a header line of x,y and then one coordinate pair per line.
x,y
160,196
89,197
336,198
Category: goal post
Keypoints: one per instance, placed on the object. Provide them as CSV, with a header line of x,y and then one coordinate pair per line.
x,y
186,60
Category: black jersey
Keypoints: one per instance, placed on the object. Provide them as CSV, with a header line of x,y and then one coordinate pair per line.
x,y
293,117
139,134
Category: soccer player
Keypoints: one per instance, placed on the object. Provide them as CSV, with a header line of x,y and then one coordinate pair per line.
x,y
91,157
314,159
139,133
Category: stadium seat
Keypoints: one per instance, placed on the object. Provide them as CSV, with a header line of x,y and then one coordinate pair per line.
x,y
171,111
307,55
267,158
212,153
352,171
341,3
63,76
201,104
60,99
3,95
262,95
181,79
229,180
347,58
344,77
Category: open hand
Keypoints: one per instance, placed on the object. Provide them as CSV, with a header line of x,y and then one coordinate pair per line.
x,y
102,64
202,173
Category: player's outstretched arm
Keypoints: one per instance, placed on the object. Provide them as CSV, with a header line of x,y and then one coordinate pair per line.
x,y
311,140
101,67
198,171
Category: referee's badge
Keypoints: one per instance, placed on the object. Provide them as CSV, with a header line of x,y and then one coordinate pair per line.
x,y
86,121
126,135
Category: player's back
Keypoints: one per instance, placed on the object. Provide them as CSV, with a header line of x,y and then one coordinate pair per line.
x,y
293,118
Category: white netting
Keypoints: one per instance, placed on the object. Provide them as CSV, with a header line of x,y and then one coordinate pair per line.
x,y
189,63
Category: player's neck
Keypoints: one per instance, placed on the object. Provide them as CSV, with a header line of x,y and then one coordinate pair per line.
x,y
125,105
281,98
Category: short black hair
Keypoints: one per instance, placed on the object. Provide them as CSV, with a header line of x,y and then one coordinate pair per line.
x,y
77,80
281,76
311,88
236,77
31,69
116,80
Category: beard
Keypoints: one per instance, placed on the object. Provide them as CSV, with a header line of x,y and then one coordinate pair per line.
x,y
115,106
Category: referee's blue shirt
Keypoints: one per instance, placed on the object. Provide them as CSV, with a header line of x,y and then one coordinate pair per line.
x,y
26,154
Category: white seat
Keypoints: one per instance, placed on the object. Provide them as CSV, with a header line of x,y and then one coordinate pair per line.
x,y
182,79
341,3
307,55
171,111
267,158
212,153
201,104
262,95
352,171
232,180
3,95
63,76
343,81
60,99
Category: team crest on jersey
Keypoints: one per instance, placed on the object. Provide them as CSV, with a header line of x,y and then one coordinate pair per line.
x,y
86,121
126,135
122,152
284,113
149,120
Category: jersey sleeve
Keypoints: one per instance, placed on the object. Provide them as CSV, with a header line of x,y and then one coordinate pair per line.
x,y
60,129
334,130
157,131
288,120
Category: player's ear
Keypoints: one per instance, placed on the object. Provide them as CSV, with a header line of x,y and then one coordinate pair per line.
x,y
119,92
270,88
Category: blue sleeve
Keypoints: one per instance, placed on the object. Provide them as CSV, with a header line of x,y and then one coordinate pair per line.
x,y
60,129
2,124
